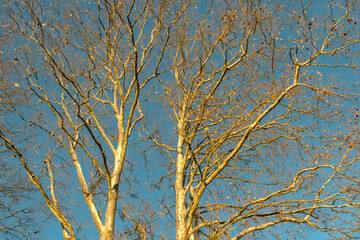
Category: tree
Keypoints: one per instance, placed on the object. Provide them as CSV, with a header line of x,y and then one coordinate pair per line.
x,y
17,214
257,131
82,64
256,142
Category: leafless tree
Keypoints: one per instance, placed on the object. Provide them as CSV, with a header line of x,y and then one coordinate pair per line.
x,y
85,65
257,129
18,212
261,121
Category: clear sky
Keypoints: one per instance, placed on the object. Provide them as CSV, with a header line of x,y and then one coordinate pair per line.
x,y
145,164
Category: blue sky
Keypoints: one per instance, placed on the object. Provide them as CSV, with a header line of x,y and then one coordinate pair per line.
x,y
150,167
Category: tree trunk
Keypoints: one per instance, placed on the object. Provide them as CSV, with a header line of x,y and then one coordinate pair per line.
x,y
180,191
107,234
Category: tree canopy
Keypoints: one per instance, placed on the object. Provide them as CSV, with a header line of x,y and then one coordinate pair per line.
x,y
144,119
